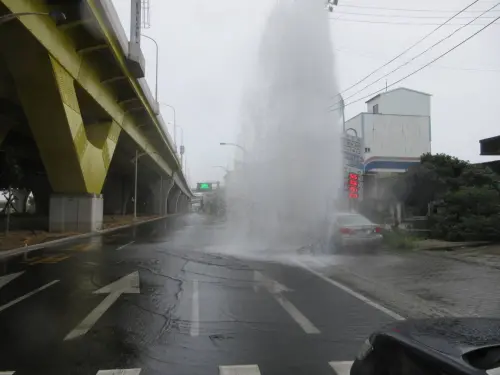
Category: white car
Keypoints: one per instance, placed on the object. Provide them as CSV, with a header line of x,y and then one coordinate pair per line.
x,y
352,230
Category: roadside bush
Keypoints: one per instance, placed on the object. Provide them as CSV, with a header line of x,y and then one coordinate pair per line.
x,y
469,214
398,240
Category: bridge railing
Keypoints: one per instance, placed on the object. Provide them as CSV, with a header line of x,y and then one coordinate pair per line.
x,y
115,25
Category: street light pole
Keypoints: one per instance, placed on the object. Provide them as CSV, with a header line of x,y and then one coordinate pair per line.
x,y
135,184
56,16
157,60
182,148
175,123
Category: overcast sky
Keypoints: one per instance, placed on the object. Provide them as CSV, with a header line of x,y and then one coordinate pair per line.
x,y
208,51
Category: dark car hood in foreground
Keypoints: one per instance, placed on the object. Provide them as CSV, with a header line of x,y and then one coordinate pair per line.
x,y
452,336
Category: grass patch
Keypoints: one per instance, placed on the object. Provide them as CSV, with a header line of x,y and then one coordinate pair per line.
x,y
399,240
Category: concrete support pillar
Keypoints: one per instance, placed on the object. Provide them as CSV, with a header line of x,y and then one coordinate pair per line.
x,y
158,192
75,212
180,204
76,153
114,195
168,185
184,207
173,199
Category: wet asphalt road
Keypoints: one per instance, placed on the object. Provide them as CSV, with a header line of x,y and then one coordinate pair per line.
x,y
154,300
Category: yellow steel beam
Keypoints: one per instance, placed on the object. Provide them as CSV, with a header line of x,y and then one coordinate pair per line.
x,y
76,157
64,52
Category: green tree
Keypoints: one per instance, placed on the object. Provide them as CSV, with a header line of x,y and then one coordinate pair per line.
x,y
428,181
466,197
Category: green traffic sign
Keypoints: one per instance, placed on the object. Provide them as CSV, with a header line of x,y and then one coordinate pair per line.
x,y
204,186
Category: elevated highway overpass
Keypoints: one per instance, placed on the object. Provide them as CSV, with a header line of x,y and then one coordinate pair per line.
x,y
75,109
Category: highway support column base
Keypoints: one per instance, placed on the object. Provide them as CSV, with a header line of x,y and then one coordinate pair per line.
x,y
76,213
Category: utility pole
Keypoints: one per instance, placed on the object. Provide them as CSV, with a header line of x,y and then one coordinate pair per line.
x,y
135,184
135,21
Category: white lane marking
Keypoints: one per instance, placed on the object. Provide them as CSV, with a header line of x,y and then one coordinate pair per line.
x,y
195,311
127,284
22,298
7,372
4,280
239,370
132,371
341,367
276,289
86,324
352,292
301,320
124,246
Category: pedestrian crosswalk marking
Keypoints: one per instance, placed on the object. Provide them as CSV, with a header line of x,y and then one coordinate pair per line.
x,y
341,367
239,370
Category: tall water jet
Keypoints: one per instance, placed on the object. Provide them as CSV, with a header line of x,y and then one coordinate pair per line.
x,y
282,191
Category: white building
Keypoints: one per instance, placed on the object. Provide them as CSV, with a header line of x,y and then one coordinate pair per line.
x,y
396,130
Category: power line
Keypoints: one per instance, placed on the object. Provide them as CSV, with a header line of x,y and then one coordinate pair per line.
x,y
421,68
398,23
402,15
420,54
409,48
373,56
405,9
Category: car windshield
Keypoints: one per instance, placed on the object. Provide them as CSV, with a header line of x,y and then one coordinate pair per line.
x,y
242,187
353,220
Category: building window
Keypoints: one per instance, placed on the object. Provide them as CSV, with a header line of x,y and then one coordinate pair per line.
x,y
375,108
367,149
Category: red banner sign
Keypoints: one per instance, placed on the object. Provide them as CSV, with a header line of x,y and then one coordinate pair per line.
x,y
353,185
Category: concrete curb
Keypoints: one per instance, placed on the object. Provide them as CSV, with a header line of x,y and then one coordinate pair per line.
x,y
452,247
26,249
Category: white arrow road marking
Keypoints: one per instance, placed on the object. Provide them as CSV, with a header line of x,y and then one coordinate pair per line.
x,y
276,289
124,246
195,311
239,370
341,367
127,284
272,286
132,371
4,280
22,298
